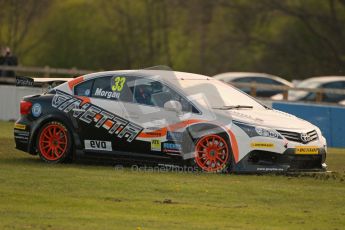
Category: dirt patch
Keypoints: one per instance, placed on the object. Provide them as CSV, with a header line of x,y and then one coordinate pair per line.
x,y
165,201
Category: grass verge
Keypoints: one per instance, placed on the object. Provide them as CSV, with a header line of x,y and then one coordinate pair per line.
x,y
34,195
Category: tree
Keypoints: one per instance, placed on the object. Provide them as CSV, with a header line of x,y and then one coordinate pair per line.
x,y
17,19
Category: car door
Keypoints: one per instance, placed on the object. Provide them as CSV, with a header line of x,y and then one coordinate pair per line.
x,y
146,107
100,124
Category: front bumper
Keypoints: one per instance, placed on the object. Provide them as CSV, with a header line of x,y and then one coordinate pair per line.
x,y
265,161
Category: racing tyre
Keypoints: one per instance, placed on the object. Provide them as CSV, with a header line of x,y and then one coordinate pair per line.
x,y
211,153
54,142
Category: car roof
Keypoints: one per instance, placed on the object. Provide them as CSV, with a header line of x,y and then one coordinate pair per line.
x,y
236,75
164,74
325,79
171,77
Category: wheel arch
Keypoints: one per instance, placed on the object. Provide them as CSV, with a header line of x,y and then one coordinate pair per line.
x,y
54,117
196,131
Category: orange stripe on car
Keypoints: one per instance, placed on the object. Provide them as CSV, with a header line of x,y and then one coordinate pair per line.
x,y
234,144
75,81
163,131
156,133
183,124
84,99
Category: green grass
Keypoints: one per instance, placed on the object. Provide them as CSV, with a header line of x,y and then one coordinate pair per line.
x,y
34,195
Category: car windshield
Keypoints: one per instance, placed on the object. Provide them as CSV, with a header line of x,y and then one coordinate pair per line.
x,y
219,94
310,84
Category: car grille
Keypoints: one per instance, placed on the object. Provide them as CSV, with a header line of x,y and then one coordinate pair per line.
x,y
294,136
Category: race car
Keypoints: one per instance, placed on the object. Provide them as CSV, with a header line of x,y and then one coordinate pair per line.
x,y
165,116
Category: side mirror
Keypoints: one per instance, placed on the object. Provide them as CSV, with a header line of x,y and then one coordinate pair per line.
x,y
173,106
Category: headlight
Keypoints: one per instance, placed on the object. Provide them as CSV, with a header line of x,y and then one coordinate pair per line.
x,y
254,131
267,132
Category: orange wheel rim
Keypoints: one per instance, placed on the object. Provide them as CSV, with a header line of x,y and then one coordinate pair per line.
x,y
211,153
53,142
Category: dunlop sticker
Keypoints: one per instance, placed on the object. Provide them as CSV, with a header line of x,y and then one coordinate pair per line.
x,y
20,126
262,145
307,150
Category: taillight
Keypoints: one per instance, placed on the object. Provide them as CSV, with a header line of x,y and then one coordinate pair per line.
x,y
25,107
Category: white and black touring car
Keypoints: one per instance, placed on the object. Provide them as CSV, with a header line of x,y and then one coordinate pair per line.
x,y
166,116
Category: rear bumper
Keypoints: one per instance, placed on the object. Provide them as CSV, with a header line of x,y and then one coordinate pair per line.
x,y
265,161
21,135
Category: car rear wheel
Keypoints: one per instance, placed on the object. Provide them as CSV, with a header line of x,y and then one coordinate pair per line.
x,y
212,153
54,142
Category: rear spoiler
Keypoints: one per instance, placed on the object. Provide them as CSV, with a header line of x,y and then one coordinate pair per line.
x,y
40,82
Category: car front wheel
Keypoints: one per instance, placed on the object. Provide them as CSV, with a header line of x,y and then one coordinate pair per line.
x,y
212,153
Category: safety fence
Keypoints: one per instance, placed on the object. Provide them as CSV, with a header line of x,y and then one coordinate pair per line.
x,y
10,97
46,71
330,119
253,88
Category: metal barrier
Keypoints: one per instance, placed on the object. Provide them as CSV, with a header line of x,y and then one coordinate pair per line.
x,y
319,91
46,71
10,97
254,87
330,119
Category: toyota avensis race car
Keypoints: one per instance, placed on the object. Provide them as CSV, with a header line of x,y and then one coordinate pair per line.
x,y
166,116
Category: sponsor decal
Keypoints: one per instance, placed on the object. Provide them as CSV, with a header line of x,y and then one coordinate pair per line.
x,y
24,81
36,110
246,116
92,114
107,94
172,147
174,136
152,128
270,169
98,145
117,84
21,135
157,133
307,150
22,138
156,145
19,126
261,145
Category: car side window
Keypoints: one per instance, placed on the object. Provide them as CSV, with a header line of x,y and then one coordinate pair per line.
x,y
110,88
310,97
334,85
101,87
244,80
333,97
154,93
262,80
83,89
